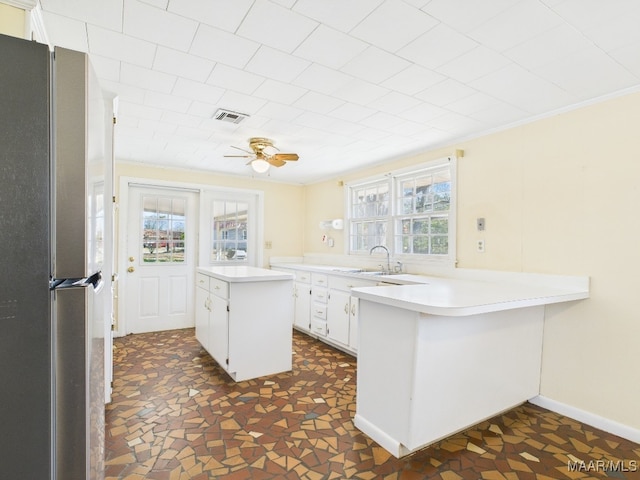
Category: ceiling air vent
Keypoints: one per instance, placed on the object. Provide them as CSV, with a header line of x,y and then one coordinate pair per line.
x,y
229,116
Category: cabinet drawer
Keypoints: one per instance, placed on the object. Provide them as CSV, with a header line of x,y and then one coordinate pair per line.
x,y
219,287
347,283
319,294
303,277
319,279
319,310
319,327
202,281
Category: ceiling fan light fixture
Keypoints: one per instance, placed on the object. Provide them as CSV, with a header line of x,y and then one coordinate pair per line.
x,y
260,165
269,150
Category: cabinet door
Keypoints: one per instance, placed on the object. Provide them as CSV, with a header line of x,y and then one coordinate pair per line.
x,y
354,305
302,310
219,331
202,317
338,314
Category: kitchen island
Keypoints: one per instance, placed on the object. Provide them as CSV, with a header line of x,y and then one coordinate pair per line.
x,y
444,355
244,318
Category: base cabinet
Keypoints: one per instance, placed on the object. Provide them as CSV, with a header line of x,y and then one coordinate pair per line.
x,y
202,312
339,317
219,330
325,308
245,322
302,306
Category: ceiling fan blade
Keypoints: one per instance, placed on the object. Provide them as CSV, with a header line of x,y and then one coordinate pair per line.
x,y
239,156
286,157
276,162
242,149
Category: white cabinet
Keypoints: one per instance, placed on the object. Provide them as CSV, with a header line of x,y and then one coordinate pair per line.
x,y
244,319
319,297
202,310
324,306
339,316
342,312
212,317
301,298
219,329
302,301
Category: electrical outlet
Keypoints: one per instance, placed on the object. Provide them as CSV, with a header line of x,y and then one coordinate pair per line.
x,y
480,246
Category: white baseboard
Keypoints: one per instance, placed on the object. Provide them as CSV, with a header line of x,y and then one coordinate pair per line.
x,y
383,439
602,423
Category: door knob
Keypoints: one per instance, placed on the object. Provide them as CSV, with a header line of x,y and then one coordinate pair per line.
x,y
131,259
131,269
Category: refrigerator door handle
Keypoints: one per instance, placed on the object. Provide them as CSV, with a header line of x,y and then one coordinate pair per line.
x,y
94,281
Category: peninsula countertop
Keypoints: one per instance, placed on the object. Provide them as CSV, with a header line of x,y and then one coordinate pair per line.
x,y
458,297
464,292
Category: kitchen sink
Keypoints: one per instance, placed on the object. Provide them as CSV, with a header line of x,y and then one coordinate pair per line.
x,y
375,273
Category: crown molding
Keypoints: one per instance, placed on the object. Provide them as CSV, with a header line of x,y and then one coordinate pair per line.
x,y
27,5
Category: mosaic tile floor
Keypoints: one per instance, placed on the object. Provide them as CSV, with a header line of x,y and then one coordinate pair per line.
x,y
176,415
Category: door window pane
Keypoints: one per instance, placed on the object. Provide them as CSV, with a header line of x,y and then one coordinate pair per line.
x,y
163,227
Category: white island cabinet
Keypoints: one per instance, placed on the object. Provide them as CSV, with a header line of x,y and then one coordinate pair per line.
x,y
437,358
244,319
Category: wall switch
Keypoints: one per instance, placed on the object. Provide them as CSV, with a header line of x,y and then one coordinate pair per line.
x,y
480,224
480,246
268,244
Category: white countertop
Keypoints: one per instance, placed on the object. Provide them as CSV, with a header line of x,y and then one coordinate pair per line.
x,y
475,292
396,278
455,297
243,273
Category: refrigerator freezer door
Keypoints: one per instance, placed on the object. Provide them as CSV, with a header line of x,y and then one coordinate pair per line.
x,y
25,367
69,230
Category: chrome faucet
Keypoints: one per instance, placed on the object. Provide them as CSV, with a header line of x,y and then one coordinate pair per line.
x,y
386,250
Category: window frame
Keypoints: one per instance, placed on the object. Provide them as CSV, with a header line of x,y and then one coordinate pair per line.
x,y
253,235
394,213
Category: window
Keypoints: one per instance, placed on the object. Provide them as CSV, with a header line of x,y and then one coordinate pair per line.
x,y
229,234
411,212
231,227
422,220
369,212
163,227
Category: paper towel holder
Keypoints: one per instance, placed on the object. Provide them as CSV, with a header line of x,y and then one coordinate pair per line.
x,y
336,224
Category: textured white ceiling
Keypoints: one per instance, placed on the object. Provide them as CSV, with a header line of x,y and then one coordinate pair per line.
x,y
344,83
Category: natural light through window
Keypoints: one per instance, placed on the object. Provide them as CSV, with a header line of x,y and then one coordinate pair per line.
x,y
229,234
411,212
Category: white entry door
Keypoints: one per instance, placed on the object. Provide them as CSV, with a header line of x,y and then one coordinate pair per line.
x,y
161,253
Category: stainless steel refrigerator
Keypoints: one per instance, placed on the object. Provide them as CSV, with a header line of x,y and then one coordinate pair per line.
x,y
55,207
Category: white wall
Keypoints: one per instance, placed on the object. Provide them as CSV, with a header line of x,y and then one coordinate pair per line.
x,y
560,195
12,21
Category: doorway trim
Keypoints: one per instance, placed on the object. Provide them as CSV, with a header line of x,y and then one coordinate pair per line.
x,y
122,202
